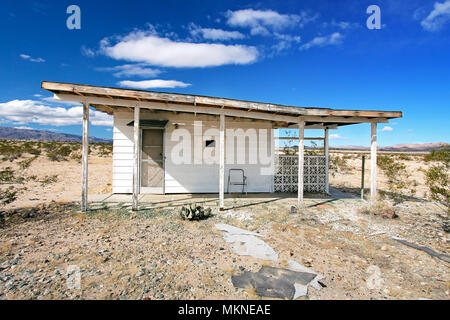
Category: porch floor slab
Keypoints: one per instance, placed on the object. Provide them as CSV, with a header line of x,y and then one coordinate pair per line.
x,y
177,200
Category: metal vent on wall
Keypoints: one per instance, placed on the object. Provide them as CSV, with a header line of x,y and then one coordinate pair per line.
x,y
153,124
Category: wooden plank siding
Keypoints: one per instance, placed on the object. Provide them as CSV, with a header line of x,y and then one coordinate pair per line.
x,y
188,178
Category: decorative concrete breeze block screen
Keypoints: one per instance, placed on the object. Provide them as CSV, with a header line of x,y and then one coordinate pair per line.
x,y
286,174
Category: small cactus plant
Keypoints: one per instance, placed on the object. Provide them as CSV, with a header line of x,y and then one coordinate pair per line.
x,y
194,212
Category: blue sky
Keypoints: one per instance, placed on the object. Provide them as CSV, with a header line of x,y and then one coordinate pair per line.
x,y
301,53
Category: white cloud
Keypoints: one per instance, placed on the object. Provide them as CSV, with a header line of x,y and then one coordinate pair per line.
x,y
285,42
332,39
21,112
214,34
24,128
335,136
29,58
387,128
344,25
53,100
438,17
147,84
261,22
147,47
87,52
128,70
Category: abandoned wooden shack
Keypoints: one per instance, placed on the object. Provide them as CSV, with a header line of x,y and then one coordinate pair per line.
x,y
167,143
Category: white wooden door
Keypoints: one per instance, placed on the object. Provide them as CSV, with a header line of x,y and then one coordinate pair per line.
x,y
152,161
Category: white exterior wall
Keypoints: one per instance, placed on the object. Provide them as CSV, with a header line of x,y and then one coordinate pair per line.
x,y
194,177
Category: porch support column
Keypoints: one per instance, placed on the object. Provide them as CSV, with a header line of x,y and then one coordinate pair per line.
x,y
373,162
301,159
222,162
136,158
326,147
84,163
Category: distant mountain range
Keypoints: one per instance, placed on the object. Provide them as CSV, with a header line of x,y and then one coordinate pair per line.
x,y
25,134
414,147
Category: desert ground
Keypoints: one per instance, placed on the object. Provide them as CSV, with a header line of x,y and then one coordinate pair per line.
x,y
154,254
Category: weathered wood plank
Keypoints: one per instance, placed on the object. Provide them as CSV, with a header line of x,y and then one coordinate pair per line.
x,y
326,147
222,162
301,159
218,111
136,158
85,154
373,162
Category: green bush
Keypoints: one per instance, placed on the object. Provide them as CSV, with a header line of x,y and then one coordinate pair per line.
x,y
26,163
59,153
437,179
8,195
338,164
49,179
442,155
10,152
7,175
398,178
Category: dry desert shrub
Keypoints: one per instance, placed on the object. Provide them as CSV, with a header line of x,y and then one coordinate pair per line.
x,y
398,182
379,208
442,155
437,179
339,164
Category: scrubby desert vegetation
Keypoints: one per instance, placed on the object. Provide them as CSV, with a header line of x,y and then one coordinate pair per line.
x,y
45,169
400,175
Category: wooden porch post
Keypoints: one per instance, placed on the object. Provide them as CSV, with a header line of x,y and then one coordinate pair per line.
x,y
301,159
136,158
326,147
85,153
222,162
373,162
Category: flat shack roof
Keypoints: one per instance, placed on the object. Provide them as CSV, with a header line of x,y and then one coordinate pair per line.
x,y
108,100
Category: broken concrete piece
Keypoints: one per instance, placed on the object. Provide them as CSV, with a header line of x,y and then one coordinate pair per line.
x,y
300,290
235,230
275,282
248,245
291,276
264,286
293,265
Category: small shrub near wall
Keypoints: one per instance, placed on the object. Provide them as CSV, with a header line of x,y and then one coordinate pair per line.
x,y
437,179
379,208
399,184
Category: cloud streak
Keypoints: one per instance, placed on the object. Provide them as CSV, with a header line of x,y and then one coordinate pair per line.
x,y
215,34
262,22
157,83
438,17
29,58
330,40
128,70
